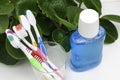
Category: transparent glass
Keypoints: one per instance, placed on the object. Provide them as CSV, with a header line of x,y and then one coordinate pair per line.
x,y
57,55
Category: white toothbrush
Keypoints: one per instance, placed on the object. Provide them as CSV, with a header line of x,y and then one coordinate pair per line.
x,y
32,21
21,33
15,42
47,68
23,20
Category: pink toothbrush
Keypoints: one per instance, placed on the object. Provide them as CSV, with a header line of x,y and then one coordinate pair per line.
x,y
21,33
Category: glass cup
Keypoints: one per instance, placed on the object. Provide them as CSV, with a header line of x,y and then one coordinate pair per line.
x,y
57,59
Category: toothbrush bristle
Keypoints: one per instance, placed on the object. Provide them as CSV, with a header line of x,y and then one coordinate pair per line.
x,y
10,38
19,18
9,31
18,27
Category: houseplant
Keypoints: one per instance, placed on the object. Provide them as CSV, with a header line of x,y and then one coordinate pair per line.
x,y
56,20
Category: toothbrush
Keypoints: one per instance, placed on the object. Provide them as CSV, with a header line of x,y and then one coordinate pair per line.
x,y
32,21
15,42
23,20
21,33
47,68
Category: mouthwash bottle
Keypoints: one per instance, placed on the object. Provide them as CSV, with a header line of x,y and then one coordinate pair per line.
x,y
87,42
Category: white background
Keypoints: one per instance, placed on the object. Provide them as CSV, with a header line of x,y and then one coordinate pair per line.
x,y
107,70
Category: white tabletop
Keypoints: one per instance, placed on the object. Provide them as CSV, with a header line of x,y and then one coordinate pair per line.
x,y
21,71
107,70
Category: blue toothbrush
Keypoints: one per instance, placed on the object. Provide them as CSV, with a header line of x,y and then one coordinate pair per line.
x,y
32,21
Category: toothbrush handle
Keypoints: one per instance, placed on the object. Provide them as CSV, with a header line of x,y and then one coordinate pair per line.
x,y
54,68
48,67
42,46
36,64
34,43
45,66
41,54
40,42
32,60
52,65
29,44
32,38
45,73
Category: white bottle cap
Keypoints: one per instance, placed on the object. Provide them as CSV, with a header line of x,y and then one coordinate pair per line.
x,y
88,25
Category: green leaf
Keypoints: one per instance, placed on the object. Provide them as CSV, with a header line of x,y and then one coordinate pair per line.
x,y
59,7
73,14
66,23
93,4
13,21
22,5
51,7
80,1
115,18
111,31
4,56
4,22
69,3
45,25
58,35
15,53
46,9
6,7
66,43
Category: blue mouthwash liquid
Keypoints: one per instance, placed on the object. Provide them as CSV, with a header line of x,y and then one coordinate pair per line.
x,y
86,53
